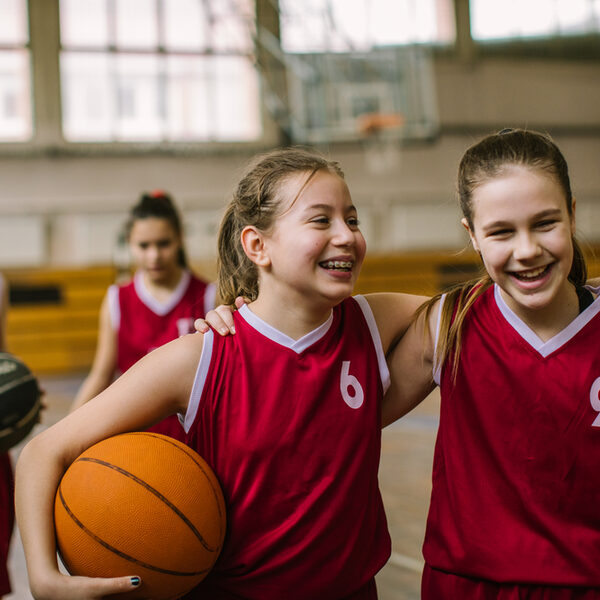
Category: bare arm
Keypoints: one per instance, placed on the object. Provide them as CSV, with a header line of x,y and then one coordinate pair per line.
x,y
159,385
105,360
393,313
411,367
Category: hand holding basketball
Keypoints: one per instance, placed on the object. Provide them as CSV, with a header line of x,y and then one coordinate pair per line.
x,y
80,588
141,504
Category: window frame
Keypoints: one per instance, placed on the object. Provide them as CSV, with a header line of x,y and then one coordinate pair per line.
x,y
47,138
576,47
44,47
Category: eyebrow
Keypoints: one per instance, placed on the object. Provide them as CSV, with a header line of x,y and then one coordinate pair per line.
x,y
329,207
551,212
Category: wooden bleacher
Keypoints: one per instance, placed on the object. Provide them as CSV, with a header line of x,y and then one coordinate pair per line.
x,y
52,322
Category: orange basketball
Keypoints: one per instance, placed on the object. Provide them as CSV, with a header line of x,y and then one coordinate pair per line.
x,y
141,504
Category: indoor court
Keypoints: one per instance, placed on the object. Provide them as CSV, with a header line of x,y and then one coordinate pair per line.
x,y
103,100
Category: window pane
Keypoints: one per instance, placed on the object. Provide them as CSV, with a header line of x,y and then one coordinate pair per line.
x,y
533,18
153,94
236,99
233,25
189,114
213,98
185,26
87,102
84,23
13,22
15,108
137,24
139,114
337,25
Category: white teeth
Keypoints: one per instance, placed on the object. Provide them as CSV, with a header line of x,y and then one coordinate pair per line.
x,y
531,274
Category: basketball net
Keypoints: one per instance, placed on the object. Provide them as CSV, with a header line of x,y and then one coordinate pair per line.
x,y
381,135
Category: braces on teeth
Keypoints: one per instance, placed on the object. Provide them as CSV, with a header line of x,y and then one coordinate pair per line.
x,y
339,264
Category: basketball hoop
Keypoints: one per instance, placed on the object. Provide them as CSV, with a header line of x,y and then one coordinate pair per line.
x,y
381,134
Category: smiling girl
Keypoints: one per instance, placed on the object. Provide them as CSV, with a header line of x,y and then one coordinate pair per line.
x,y
514,507
287,412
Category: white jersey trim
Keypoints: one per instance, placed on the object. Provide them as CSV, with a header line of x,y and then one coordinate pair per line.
x,y
384,372
210,295
298,346
152,303
114,308
437,365
561,338
199,381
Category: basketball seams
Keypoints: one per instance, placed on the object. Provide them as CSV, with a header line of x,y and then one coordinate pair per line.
x,y
188,452
16,382
179,501
121,553
156,493
22,421
19,401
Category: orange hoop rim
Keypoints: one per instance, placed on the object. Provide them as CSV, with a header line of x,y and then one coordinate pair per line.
x,y
372,123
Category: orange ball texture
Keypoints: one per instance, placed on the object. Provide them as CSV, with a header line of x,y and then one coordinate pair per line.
x,y
141,504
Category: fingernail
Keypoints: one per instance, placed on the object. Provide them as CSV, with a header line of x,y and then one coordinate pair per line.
x,y
223,330
233,330
135,581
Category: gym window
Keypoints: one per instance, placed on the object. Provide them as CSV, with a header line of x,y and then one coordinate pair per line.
x,y
158,71
15,92
527,19
339,25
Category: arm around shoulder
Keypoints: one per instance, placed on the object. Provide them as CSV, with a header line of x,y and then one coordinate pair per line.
x,y
411,365
393,314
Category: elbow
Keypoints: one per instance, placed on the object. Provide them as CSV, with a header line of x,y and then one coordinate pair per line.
x,y
29,453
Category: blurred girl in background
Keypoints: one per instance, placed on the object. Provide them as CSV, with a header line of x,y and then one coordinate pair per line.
x,y
158,305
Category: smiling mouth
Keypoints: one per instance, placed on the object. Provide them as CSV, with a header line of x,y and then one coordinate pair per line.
x,y
531,274
337,265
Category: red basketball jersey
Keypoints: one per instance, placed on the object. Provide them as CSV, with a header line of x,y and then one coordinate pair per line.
x,y
516,486
143,324
292,430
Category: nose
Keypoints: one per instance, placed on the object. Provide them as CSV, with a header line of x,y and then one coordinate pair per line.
x,y
343,235
153,253
526,246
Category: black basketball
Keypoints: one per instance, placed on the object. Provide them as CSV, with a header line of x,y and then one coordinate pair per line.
x,y
19,401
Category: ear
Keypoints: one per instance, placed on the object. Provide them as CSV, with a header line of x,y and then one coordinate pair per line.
x,y
253,243
465,224
573,227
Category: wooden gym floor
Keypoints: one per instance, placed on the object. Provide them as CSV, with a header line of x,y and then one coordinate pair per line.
x,y
405,481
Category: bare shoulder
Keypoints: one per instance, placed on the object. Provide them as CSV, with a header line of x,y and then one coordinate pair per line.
x,y
393,314
185,351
